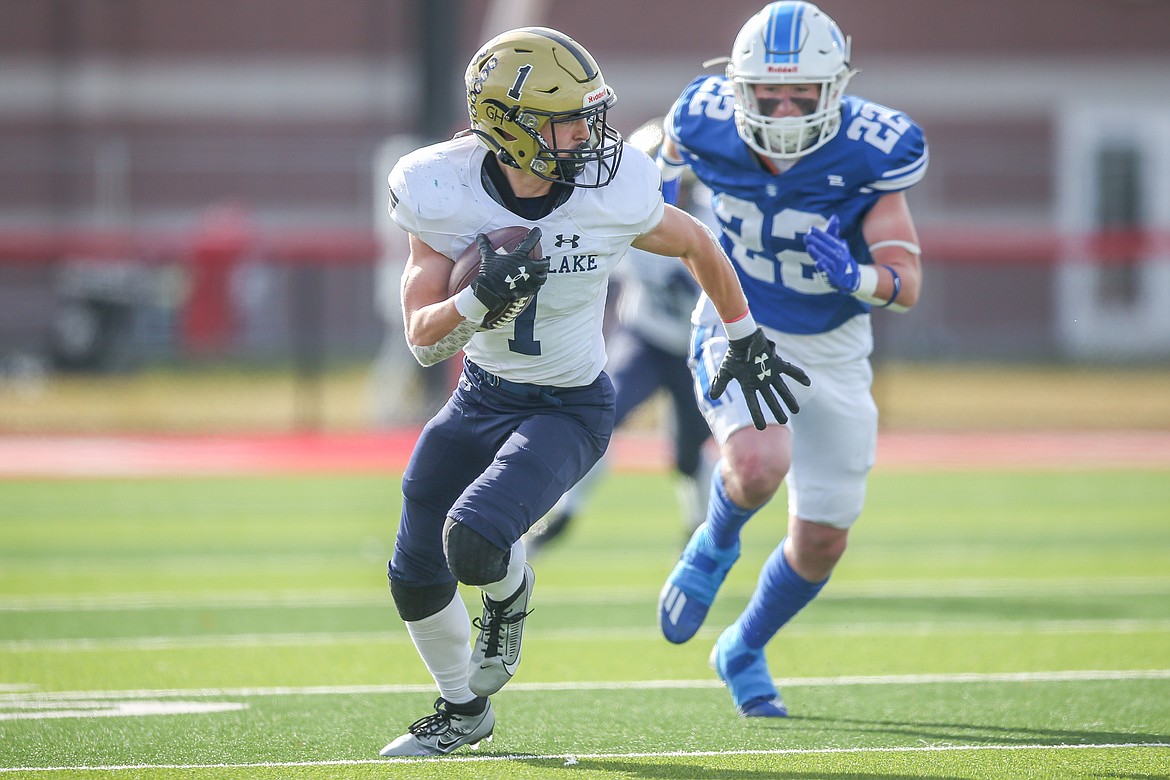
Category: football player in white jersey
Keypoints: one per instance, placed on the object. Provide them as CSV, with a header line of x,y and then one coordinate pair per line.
x,y
808,188
532,410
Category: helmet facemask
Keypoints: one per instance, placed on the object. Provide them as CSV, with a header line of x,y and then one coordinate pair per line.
x,y
789,43
789,137
558,160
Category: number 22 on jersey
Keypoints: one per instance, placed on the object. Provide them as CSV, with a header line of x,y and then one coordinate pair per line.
x,y
755,235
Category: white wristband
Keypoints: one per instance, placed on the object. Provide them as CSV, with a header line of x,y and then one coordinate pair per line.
x,y
868,282
469,306
741,328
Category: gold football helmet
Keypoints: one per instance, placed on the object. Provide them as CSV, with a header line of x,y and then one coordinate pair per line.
x,y
532,78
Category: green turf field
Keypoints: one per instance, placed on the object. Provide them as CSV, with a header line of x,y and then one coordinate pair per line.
x,y
982,625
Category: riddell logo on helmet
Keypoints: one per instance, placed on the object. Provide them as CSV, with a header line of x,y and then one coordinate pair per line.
x,y
594,96
782,69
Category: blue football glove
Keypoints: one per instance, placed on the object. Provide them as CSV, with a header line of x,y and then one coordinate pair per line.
x,y
752,362
831,254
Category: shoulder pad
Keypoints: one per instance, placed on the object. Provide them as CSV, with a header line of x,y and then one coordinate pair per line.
x,y
426,184
894,145
637,198
702,120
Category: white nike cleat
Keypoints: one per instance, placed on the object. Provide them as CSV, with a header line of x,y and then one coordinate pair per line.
x,y
439,734
496,652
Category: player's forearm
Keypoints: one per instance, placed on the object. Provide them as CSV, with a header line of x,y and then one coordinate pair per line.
x,y
896,276
717,278
427,325
428,314
893,244
434,331
681,235
430,354
711,268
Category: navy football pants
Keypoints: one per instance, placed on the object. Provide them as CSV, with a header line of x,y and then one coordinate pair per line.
x,y
496,461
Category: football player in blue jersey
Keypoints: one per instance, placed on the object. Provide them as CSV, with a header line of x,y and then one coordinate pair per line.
x,y
809,188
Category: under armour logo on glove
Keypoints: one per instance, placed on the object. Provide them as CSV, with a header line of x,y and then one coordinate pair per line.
x,y
508,277
752,362
762,365
521,276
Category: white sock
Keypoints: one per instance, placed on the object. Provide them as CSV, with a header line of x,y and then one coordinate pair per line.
x,y
694,493
444,642
500,590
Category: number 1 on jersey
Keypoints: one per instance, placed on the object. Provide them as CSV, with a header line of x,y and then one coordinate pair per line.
x,y
523,341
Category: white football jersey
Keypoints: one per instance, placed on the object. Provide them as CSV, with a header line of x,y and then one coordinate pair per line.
x,y
437,195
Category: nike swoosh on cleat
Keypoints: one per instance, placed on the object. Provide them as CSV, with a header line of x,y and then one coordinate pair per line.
x,y
446,744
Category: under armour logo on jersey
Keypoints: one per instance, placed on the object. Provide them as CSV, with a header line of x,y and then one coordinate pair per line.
x,y
521,276
572,240
761,362
836,181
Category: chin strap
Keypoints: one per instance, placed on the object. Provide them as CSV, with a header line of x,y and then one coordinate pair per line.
x,y
502,154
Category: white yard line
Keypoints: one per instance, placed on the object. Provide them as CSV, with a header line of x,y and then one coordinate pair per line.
x,y
122,709
630,634
971,588
9,700
127,602
576,758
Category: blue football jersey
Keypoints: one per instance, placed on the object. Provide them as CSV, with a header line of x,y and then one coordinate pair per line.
x,y
764,215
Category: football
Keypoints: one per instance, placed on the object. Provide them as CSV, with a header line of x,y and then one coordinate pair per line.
x,y
466,267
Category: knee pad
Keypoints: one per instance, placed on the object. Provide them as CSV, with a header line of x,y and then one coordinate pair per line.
x,y
415,602
470,557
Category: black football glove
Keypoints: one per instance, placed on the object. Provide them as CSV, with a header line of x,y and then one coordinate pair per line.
x,y
752,362
508,276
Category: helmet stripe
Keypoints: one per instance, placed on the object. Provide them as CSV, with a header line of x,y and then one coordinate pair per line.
x,y
797,26
782,34
570,46
836,32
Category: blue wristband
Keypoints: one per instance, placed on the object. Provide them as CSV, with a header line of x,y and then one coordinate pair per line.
x,y
897,286
670,191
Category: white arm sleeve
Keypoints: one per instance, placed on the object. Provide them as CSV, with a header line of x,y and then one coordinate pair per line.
x,y
446,346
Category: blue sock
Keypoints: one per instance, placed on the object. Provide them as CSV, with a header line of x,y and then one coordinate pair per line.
x,y
779,595
724,519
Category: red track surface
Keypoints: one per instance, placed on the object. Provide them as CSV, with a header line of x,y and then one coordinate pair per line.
x,y
163,455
